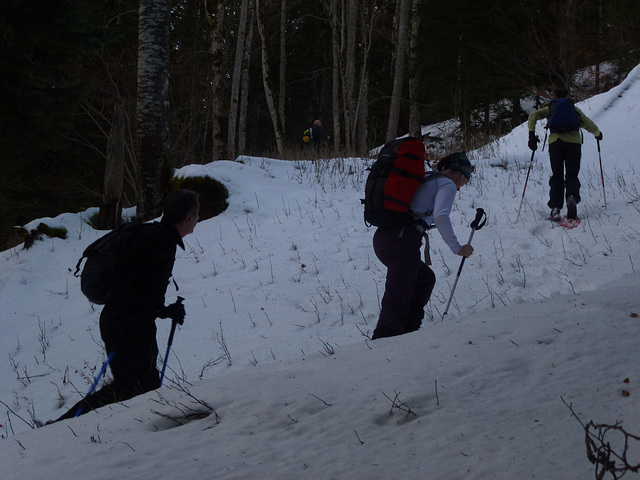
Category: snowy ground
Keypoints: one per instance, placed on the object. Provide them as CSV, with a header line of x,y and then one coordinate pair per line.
x,y
272,375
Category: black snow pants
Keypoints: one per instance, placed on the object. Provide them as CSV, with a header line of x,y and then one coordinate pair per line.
x,y
135,350
409,281
565,167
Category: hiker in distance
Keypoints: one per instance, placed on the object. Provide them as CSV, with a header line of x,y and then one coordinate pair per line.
x,y
410,281
565,150
136,299
318,137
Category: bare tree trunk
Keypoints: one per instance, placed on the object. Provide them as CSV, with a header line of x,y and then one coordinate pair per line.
x,y
352,24
599,46
360,134
266,80
283,63
244,88
236,82
110,215
349,87
363,117
152,104
217,108
398,79
335,77
415,127
335,99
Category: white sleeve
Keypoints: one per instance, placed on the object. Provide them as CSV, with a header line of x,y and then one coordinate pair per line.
x,y
445,196
436,199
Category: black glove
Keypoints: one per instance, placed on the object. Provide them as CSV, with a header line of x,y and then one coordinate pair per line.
x,y
533,141
599,136
175,312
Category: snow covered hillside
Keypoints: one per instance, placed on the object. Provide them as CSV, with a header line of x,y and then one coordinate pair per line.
x,y
272,375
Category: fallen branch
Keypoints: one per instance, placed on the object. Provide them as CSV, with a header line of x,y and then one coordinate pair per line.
x,y
599,450
397,404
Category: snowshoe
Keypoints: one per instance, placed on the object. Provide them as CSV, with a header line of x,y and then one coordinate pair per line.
x,y
569,223
555,216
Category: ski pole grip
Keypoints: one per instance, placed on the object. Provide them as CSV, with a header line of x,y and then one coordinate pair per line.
x,y
480,220
174,324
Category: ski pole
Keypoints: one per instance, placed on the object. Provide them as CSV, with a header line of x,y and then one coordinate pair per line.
x,y
604,194
477,224
525,185
95,382
169,343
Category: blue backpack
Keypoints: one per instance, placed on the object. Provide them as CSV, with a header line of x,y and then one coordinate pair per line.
x,y
563,116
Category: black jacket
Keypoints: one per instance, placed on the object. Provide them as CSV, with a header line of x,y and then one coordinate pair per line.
x,y
144,271
317,135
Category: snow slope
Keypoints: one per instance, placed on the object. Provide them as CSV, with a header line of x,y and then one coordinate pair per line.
x,y
272,375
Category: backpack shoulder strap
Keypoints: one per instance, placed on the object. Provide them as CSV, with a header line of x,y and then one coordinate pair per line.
x,y
432,175
97,245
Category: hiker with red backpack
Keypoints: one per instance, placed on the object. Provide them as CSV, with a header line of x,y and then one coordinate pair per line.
x,y
398,239
565,150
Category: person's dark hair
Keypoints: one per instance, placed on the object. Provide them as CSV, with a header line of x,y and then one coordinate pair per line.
x,y
456,161
560,92
178,204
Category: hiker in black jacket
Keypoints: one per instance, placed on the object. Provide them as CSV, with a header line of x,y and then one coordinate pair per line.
x,y
136,299
318,137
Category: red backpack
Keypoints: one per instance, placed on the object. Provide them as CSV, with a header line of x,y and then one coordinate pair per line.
x,y
394,178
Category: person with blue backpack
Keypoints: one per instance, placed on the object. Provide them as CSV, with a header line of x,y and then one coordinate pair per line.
x,y
565,150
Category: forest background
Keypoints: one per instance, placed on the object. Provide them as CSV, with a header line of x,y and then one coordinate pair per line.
x,y
249,76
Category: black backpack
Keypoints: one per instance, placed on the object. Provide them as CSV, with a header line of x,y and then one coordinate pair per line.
x,y
563,116
102,257
394,178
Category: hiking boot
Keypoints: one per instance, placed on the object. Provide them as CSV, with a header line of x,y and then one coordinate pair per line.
x,y
555,216
572,211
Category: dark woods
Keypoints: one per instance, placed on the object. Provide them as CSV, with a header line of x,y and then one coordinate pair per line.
x,y
249,76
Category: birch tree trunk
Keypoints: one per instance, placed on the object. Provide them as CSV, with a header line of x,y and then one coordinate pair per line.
x,y
398,79
266,79
335,77
363,116
283,64
349,87
236,82
415,127
244,88
152,103
217,108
